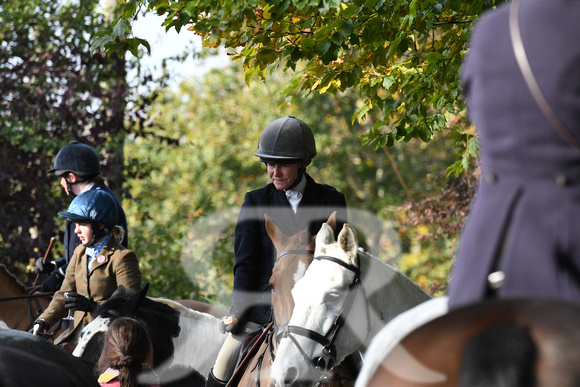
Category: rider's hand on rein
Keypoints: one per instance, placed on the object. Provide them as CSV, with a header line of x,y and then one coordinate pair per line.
x,y
39,327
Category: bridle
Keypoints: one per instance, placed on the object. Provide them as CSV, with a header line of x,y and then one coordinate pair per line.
x,y
286,252
327,360
29,297
32,296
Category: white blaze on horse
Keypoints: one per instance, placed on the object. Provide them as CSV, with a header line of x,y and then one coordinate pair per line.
x,y
185,342
344,299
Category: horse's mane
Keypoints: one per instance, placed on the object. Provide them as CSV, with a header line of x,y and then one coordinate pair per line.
x,y
173,304
12,277
500,355
183,310
413,287
118,301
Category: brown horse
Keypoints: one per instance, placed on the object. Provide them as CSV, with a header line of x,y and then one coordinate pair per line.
x,y
516,342
20,307
295,255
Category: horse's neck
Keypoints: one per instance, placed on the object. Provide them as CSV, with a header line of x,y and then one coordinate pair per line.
x,y
389,292
9,285
14,313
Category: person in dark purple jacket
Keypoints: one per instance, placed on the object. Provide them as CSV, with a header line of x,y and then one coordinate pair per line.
x,y
78,169
522,236
295,202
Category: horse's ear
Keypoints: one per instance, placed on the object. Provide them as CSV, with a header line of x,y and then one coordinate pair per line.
x,y
348,241
324,237
276,235
271,229
332,221
119,292
143,293
136,300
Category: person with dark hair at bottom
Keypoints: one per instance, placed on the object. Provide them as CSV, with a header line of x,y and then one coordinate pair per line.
x,y
127,356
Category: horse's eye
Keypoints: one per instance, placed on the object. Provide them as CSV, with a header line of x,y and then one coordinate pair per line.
x,y
331,298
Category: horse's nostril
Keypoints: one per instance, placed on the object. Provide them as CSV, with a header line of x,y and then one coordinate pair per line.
x,y
291,376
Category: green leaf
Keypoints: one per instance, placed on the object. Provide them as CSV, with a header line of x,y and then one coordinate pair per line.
x,y
249,74
144,43
347,28
100,42
121,29
337,38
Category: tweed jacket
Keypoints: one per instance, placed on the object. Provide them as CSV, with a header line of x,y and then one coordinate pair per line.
x,y
255,253
114,266
525,218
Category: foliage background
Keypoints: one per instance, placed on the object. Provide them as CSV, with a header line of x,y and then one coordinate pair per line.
x,y
181,159
53,91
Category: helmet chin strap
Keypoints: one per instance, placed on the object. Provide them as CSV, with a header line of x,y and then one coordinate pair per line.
x,y
69,185
301,172
98,233
298,179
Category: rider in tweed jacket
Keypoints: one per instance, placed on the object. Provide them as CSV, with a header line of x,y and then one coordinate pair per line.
x,y
98,266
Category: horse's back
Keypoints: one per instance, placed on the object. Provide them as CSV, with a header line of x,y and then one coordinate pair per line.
x,y
457,344
27,360
392,333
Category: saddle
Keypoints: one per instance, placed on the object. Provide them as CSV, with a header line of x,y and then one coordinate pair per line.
x,y
244,352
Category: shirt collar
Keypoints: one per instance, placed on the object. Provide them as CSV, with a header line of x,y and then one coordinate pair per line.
x,y
93,250
295,194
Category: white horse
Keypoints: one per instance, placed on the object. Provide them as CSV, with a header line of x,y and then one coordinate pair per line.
x,y
185,342
344,299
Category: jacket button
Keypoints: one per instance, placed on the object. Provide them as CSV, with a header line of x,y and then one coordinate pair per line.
x,y
490,178
496,279
561,180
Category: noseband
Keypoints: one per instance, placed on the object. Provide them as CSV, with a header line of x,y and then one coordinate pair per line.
x,y
327,360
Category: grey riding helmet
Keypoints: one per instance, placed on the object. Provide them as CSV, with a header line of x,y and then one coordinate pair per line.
x,y
93,206
78,158
286,139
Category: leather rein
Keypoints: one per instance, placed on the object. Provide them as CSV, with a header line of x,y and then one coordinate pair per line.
x,y
29,297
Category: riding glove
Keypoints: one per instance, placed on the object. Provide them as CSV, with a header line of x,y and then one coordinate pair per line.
x,y
235,320
41,267
39,327
73,300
